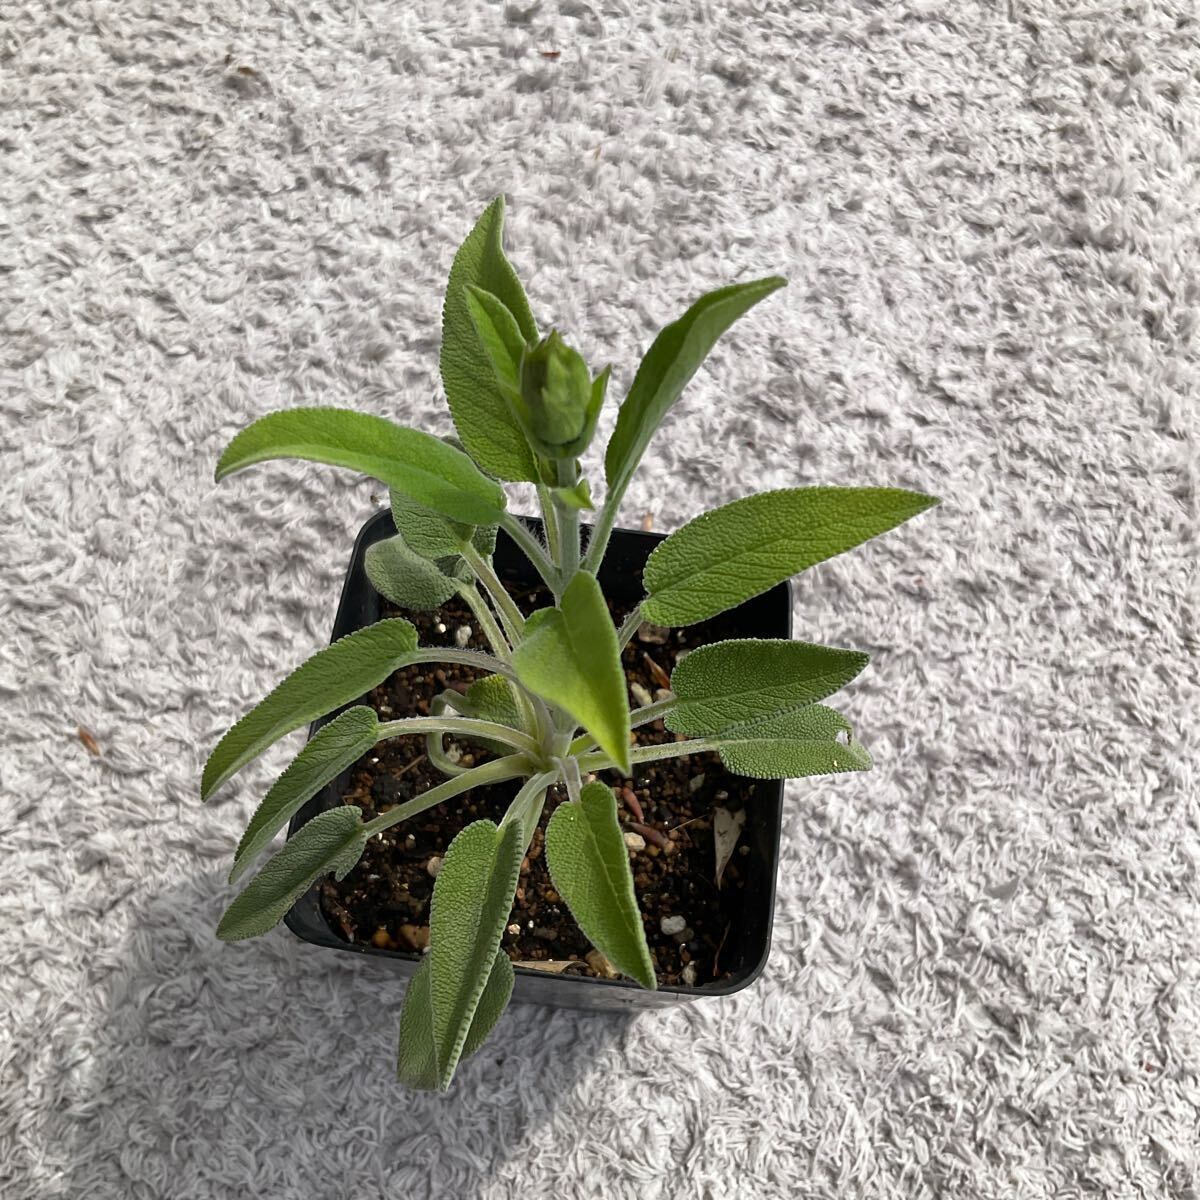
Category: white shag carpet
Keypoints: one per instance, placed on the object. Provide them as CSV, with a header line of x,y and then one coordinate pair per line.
x,y
984,980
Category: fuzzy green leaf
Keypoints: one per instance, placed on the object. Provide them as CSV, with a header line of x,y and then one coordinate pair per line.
x,y
578,497
499,336
726,683
673,358
492,1002
333,842
332,749
570,657
491,699
434,537
337,675
471,901
740,550
482,417
416,1063
589,864
417,464
793,745
405,578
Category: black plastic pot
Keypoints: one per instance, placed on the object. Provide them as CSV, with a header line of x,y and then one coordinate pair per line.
x,y
749,940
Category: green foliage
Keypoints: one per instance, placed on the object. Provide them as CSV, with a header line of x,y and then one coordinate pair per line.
x,y
481,414
332,749
526,409
333,842
558,401
589,864
437,538
726,683
733,553
405,578
471,901
546,385
416,464
809,741
570,657
500,338
673,358
577,498
491,699
337,675
416,1061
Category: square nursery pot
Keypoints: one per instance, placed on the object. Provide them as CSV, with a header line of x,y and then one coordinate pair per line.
x,y
749,939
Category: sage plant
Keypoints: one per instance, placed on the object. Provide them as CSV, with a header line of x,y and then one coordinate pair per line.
x,y
551,702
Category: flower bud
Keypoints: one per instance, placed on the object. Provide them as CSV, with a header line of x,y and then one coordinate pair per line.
x,y
558,402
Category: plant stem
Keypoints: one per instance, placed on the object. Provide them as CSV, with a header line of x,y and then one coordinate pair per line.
x,y
550,521
515,528
568,519
643,754
601,532
568,522
466,726
630,626
442,703
571,776
467,658
487,622
436,753
492,772
639,716
527,805
510,615
651,712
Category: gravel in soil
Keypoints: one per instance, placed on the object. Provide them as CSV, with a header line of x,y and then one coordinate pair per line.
x,y
665,809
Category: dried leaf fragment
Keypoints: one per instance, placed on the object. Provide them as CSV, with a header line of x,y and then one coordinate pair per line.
x,y
656,672
727,829
552,966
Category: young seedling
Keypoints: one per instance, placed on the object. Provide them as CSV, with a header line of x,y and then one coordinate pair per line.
x,y
552,701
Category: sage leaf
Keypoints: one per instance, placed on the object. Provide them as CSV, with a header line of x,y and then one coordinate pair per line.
x,y
578,497
673,358
416,1063
332,749
437,538
405,578
337,675
570,656
589,864
727,683
333,842
492,1002
417,464
813,740
491,699
472,898
481,415
500,337
740,550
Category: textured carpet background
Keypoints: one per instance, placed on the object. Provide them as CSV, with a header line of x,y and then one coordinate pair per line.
x,y
984,980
